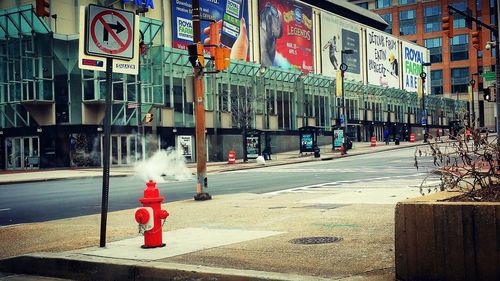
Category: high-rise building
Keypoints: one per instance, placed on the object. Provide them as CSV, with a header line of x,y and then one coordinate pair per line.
x,y
455,62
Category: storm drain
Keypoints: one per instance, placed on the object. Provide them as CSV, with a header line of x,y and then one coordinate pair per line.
x,y
316,240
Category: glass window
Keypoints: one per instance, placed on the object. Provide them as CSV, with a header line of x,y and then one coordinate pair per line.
x,y
407,22
437,82
459,47
382,4
432,19
435,48
459,79
363,5
388,19
459,20
405,2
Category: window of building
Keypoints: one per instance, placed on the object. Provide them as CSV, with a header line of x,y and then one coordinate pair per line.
x,y
459,79
459,20
437,82
478,5
435,48
379,4
459,47
432,19
406,2
363,5
388,19
407,22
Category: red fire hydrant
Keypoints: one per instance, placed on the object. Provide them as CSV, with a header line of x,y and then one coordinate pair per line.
x,y
150,215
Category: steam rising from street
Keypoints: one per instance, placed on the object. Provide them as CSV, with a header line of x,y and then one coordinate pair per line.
x,y
164,164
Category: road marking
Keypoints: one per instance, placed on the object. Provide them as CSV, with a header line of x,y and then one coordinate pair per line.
x,y
6,209
337,183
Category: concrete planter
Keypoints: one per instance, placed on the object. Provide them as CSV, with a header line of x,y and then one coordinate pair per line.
x,y
447,240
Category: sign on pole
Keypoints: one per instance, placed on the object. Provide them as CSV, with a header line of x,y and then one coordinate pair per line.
x,y
110,33
98,63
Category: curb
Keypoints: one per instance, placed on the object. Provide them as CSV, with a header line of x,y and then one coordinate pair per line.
x,y
80,267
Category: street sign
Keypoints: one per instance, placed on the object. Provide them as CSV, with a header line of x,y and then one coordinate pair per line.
x,y
424,122
97,63
110,32
489,76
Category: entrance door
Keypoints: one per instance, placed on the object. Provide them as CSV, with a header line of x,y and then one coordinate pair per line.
x,y
22,153
123,150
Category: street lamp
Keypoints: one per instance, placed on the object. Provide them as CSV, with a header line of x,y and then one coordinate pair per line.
x,y
472,82
343,69
423,76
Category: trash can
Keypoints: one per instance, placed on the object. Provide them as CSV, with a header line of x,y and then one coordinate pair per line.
x,y
316,152
396,142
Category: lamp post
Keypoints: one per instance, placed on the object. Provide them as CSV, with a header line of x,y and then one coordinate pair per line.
x,y
472,82
423,76
343,69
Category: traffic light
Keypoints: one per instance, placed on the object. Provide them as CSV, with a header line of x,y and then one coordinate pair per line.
x,y
487,94
476,40
222,58
447,26
148,118
196,56
42,8
214,37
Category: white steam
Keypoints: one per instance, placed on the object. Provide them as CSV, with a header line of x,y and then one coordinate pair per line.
x,y
163,165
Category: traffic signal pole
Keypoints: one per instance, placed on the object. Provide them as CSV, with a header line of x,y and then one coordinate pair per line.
x,y
201,156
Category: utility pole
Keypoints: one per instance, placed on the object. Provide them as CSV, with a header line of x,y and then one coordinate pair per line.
x,y
201,156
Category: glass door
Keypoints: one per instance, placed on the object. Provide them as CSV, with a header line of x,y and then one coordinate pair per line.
x,y
22,153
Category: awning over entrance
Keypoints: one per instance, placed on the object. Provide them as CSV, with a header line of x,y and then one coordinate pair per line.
x,y
149,29
16,22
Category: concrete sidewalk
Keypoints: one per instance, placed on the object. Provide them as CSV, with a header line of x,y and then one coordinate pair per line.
x,y
283,158
241,236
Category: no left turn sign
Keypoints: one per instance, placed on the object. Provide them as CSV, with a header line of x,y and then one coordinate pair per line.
x,y
109,32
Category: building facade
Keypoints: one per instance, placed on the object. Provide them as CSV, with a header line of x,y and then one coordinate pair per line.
x,y
455,62
51,111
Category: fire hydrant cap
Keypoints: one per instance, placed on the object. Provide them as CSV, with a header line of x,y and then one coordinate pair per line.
x,y
141,216
151,191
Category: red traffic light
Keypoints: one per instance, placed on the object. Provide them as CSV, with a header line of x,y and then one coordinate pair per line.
x,y
447,25
476,39
42,8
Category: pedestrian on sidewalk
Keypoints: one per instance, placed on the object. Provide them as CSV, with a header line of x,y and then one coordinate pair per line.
x,y
386,136
438,136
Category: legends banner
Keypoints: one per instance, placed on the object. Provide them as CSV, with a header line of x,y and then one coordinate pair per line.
x,y
286,35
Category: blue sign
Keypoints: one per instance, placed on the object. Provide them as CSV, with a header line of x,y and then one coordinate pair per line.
x,y
228,13
341,118
141,3
424,122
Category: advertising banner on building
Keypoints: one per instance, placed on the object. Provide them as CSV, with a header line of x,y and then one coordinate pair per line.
x,y
185,144
382,58
286,35
413,57
339,34
231,15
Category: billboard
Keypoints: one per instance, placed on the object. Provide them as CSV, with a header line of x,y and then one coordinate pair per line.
x,y
413,56
286,35
382,59
339,34
231,15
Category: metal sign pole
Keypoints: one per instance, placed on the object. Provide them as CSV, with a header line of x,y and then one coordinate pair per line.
x,y
106,156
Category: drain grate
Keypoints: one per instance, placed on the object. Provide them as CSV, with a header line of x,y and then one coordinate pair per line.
x,y
316,240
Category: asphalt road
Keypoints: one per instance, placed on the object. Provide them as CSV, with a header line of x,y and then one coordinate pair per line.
x,y
43,201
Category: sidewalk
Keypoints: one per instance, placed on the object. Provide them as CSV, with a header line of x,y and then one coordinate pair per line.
x,y
22,176
240,236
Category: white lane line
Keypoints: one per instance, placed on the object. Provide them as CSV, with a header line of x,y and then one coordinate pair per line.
x,y
338,183
6,209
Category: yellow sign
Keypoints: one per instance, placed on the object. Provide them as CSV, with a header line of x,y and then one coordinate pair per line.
x,y
338,80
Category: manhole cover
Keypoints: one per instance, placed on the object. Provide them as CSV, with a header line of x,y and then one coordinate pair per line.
x,y
316,240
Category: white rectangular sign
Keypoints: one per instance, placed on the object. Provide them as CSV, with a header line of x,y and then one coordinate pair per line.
x,y
413,57
96,63
382,59
109,32
339,34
